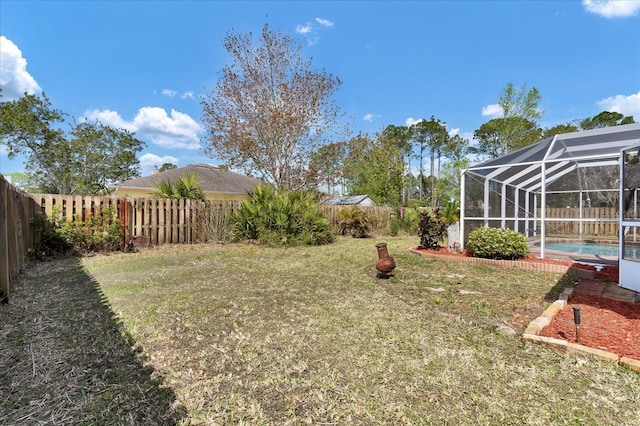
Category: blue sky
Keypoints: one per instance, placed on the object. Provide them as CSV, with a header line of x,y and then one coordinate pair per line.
x,y
145,65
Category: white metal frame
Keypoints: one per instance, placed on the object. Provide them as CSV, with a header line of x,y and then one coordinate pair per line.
x,y
552,166
629,268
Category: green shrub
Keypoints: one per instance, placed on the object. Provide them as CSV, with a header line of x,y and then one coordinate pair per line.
x,y
451,213
497,243
281,218
394,227
101,233
48,242
410,220
355,221
431,229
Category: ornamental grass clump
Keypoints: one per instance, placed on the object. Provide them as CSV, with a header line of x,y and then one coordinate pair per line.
x,y
496,243
281,219
355,222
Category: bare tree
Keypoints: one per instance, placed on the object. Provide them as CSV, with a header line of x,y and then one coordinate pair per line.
x,y
270,109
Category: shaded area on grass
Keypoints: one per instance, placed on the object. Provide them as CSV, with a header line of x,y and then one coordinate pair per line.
x,y
65,359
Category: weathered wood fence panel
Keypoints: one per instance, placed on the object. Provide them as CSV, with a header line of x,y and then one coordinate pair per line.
x,y
382,215
16,233
596,221
161,221
165,221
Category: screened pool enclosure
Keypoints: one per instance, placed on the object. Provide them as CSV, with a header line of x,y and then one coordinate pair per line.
x,y
565,187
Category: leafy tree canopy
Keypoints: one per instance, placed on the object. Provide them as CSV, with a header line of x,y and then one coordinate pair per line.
x,y
270,109
167,166
559,129
374,167
430,136
493,142
605,119
84,160
327,164
516,128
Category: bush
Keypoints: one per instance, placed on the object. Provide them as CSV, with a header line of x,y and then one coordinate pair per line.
x,y
48,242
431,230
281,218
407,223
355,221
101,233
497,243
451,213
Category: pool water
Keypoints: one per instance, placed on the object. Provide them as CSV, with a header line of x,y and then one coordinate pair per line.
x,y
596,249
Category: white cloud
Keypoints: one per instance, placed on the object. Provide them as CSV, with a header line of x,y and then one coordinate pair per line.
x,y
310,32
176,131
109,118
173,93
324,22
304,29
493,110
453,132
411,121
148,160
626,105
370,117
14,78
612,8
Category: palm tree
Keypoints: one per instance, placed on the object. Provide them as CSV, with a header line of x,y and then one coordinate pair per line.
x,y
187,186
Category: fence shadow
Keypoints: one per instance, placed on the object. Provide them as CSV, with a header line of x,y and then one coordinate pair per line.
x,y
65,358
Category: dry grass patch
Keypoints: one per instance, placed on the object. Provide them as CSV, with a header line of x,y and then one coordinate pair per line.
x,y
65,359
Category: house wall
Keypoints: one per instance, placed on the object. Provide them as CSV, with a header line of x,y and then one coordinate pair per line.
x,y
210,196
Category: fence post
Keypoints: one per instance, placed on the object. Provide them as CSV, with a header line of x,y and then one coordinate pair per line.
x,y
124,217
4,243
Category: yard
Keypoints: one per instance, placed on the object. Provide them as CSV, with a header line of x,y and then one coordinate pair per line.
x,y
228,334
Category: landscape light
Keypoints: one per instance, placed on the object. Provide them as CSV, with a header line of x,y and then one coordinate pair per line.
x,y
576,320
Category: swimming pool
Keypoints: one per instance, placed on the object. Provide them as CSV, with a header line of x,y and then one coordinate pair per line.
x,y
595,249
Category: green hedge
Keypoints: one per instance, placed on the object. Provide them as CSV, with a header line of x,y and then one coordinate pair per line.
x,y
496,243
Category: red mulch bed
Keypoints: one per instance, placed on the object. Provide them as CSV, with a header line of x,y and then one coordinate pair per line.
x,y
607,273
621,335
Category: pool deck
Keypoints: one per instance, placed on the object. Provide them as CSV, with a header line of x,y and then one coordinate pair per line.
x,y
590,259
607,291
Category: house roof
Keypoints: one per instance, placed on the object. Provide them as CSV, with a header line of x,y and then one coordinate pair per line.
x,y
561,155
351,200
212,179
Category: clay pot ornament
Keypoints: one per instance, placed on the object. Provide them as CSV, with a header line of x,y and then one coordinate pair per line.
x,y
385,263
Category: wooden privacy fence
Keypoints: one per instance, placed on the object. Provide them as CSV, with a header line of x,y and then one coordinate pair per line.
x,y
166,221
596,221
16,233
161,221
382,215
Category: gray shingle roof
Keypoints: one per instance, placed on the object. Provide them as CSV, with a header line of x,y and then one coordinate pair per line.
x,y
346,201
213,179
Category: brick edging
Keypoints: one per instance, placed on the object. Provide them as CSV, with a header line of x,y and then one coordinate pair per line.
x,y
527,266
532,334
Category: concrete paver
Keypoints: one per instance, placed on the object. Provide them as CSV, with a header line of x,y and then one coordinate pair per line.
x,y
607,290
